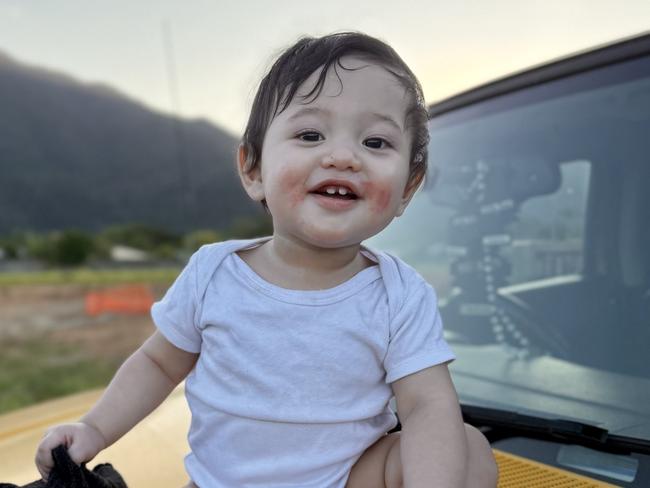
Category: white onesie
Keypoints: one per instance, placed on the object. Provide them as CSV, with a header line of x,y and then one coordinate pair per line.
x,y
291,386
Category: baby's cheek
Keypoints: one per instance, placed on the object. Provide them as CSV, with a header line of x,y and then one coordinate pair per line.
x,y
378,195
291,184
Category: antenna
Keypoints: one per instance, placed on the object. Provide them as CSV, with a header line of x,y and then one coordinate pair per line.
x,y
186,207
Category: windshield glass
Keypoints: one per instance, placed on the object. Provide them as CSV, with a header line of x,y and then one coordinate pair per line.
x,y
535,234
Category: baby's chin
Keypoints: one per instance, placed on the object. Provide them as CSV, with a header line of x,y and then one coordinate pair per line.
x,y
330,233
332,240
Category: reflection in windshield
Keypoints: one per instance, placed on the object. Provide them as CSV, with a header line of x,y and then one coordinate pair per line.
x,y
535,232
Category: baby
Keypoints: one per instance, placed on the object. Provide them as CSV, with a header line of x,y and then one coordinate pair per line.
x,y
294,344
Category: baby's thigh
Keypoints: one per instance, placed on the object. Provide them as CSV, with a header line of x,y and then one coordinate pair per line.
x,y
379,466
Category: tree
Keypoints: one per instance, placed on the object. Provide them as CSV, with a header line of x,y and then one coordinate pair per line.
x,y
71,248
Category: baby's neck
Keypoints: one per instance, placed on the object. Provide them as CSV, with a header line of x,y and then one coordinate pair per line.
x,y
299,266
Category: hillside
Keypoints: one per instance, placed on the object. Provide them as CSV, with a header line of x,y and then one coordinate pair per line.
x,y
85,156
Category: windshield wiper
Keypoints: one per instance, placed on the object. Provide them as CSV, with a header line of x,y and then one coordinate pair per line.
x,y
506,423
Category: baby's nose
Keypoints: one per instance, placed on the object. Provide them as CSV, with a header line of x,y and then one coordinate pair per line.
x,y
342,159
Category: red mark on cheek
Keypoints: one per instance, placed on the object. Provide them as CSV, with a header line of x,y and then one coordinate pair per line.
x,y
378,196
291,185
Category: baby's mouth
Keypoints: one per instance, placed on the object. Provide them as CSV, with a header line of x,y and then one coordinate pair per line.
x,y
336,191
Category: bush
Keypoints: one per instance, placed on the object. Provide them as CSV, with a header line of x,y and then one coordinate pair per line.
x,y
70,248
248,228
9,249
139,236
196,239
66,248
39,246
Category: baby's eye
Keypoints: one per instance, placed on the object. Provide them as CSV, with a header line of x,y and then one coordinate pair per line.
x,y
376,143
310,136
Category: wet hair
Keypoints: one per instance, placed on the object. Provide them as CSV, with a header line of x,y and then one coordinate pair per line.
x,y
309,54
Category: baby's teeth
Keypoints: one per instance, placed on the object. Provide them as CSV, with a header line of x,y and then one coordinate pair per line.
x,y
330,190
343,191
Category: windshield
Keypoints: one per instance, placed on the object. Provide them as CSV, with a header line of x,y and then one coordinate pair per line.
x,y
536,236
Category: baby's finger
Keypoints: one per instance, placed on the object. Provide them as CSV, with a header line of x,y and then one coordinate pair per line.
x,y
44,461
45,473
80,452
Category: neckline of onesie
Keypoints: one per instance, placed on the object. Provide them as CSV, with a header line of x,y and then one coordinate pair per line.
x,y
306,297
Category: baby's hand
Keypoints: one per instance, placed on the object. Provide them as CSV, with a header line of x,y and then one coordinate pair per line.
x,y
83,442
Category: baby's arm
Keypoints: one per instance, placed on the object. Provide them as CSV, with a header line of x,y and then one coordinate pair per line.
x,y
433,442
139,386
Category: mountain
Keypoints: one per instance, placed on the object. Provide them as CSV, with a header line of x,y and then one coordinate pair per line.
x,y
85,156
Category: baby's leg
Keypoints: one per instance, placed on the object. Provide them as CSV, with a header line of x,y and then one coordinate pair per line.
x,y
380,465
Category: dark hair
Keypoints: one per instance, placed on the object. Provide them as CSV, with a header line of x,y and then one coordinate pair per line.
x,y
308,54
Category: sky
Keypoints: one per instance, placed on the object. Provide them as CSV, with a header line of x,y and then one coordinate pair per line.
x,y
200,58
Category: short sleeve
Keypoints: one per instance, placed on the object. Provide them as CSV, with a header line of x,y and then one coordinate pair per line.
x,y
416,338
176,314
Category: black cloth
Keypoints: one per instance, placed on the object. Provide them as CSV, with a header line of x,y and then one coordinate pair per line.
x,y
66,474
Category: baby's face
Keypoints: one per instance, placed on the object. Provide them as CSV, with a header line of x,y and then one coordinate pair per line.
x,y
335,171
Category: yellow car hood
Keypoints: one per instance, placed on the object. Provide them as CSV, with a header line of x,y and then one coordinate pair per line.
x,y
150,455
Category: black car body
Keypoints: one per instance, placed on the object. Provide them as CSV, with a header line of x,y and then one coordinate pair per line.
x,y
534,227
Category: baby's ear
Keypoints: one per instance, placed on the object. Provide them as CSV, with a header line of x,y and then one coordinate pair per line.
x,y
411,187
250,173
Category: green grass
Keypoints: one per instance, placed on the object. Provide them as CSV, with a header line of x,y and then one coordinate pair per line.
x,y
37,370
86,276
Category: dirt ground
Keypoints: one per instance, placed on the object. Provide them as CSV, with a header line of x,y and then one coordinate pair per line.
x,y
57,314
